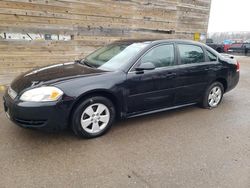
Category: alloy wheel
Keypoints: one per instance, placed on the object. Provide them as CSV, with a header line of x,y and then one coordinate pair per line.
x,y
95,118
214,96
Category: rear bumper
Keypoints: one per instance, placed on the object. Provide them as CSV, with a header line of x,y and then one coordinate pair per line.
x,y
233,81
49,116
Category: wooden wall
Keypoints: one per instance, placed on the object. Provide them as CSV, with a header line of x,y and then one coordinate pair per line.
x,y
91,23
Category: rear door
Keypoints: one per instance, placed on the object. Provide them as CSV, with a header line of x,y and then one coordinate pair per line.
x,y
195,72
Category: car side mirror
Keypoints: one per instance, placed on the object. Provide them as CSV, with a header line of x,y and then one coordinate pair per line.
x,y
145,66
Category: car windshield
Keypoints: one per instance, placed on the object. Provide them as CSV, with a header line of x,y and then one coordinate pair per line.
x,y
112,57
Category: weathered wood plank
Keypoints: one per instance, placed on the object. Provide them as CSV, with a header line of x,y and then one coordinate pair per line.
x,y
91,25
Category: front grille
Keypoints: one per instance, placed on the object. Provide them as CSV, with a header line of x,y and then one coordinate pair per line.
x,y
12,93
31,123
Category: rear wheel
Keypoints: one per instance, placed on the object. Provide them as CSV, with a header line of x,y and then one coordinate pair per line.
x,y
93,117
219,50
213,95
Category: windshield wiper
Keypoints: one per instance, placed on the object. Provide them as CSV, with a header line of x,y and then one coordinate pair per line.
x,y
84,62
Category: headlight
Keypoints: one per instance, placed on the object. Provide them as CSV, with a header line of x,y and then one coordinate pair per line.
x,y
42,94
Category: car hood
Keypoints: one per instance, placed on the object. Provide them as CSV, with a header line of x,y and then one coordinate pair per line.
x,y
52,74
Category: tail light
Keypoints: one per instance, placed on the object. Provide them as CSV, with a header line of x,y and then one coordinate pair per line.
x,y
238,67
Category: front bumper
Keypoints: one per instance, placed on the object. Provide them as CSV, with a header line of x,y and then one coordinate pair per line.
x,y
49,116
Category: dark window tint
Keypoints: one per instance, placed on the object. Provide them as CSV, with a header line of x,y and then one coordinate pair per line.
x,y
160,56
211,56
190,54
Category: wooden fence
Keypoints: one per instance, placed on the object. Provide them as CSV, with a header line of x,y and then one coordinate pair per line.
x,y
90,24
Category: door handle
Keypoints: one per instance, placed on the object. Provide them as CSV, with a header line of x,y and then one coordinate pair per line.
x,y
171,75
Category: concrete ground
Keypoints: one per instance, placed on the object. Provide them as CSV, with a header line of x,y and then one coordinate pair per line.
x,y
188,147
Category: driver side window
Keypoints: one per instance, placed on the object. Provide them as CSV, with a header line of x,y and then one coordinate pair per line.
x,y
160,56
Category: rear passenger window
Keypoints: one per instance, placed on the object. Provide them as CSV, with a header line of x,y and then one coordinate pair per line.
x,y
211,56
190,54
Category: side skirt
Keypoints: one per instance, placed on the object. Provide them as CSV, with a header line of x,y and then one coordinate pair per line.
x,y
159,110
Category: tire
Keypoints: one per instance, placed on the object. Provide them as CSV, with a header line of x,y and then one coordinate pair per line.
x,y
93,117
219,50
213,93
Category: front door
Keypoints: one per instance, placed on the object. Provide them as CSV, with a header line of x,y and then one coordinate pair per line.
x,y
153,89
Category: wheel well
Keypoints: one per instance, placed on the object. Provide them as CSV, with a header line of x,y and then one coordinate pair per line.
x,y
223,82
219,49
106,94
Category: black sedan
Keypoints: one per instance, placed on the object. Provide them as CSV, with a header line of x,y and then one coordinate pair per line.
x,y
121,80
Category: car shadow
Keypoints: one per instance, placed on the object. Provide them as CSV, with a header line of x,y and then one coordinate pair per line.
x,y
119,126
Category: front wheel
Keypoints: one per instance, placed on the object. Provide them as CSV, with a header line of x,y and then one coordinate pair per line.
x,y
93,117
213,95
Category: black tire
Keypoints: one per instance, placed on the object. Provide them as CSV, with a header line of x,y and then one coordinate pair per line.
x,y
219,50
205,99
80,108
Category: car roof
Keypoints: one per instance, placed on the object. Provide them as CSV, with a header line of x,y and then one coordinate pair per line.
x,y
156,41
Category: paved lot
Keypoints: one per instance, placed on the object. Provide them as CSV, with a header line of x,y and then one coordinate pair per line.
x,y
189,147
